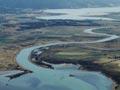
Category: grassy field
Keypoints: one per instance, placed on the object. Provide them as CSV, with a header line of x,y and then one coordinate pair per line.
x,y
8,59
71,55
110,30
108,60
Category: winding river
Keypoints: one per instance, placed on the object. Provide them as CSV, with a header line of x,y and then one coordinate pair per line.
x,y
59,78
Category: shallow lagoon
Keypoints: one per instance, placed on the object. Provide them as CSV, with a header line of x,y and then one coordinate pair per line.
x,y
58,79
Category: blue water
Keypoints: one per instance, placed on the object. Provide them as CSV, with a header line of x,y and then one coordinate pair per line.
x,y
57,79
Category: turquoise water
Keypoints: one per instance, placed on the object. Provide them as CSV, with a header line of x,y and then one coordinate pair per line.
x,y
59,78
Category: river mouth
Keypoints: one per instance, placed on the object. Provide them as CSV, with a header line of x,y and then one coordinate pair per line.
x,y
48,79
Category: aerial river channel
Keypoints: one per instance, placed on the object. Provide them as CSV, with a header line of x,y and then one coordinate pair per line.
x,y
57,79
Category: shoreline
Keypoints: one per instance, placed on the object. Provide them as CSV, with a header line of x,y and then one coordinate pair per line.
x,y
84,68
23,58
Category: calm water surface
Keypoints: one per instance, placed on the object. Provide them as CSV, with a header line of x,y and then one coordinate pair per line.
x,y
59,78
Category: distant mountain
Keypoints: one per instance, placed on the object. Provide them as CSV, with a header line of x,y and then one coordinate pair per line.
x,y
44,4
